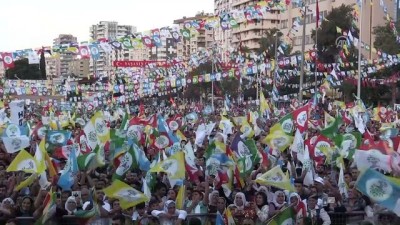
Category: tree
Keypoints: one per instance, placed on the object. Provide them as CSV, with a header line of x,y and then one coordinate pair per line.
x,y
385,40
24,71
268,41
341,17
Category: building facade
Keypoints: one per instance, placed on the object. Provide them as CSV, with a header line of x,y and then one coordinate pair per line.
x,y
202,39
223,38
249,34
109,30
79,68
53,66
65,57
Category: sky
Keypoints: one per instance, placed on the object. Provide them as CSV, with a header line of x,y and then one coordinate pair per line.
x,y
31,24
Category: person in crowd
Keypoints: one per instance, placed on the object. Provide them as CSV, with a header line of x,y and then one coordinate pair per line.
x,y
170,215
262,207
299,208
277,204
315,214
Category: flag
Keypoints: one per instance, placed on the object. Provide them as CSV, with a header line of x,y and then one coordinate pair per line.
x,y
174,166
100,127
229,217
264,107
277,138
127,195
180,198
275,177
67,177
219,220
380,189
23,162
128,162
14,144
32,178
373,159
287,216
8,61
300,117
342,184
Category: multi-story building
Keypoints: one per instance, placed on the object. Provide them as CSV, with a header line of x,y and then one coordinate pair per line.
x,y
372,15
79,67
53,67
249,34
66,56
223,38
167,50
203,39
109,30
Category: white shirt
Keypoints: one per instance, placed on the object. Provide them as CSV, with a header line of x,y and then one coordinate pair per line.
x,y
164,221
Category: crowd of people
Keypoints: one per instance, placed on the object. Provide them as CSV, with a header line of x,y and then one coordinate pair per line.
x,y
205,201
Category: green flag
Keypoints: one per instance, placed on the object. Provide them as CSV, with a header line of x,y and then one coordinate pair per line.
x,y
285,217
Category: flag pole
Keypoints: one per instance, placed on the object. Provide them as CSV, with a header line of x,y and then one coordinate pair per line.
x,y
359,51
303,46
316,47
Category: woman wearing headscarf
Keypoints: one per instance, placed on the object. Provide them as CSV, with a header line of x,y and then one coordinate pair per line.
x,y
70,205
299,208
26,208
262,207
277,204
7,209
170,215
241,209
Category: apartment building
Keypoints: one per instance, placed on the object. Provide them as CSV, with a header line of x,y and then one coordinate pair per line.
x,y
65,56
249,34
53,66
79,67
2,70
223,38
109,30
202,39
168,48
372,15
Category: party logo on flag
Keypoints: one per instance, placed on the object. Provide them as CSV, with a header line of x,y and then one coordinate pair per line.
x,y
92,137
173,125
170,165
41,132
125,165
57,138
379,190
162,142
129,195
134,132
100,126
27,165
302,118
13,130
287,125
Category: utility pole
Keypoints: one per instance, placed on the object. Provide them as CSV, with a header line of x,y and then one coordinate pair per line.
x,y
303,46
277,34
359,51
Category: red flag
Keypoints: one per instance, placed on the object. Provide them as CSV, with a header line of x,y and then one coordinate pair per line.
x,y
300,117
84,52
317,14
8,61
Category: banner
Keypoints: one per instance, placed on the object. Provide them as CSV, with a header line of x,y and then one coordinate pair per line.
x,y
17,111
140,63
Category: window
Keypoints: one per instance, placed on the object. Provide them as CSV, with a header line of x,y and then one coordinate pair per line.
x,y
284,24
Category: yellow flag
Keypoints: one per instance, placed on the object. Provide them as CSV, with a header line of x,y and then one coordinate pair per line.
x,y
26,182
100,126
127,195
23,162
174,166
275,177
180,198
263,104
277,138
229,217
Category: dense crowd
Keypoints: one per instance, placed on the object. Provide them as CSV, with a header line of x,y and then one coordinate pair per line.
x,y
248,203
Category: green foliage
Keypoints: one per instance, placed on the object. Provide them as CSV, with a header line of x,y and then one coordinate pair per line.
x,y
268,41
24,71
385,40
327,34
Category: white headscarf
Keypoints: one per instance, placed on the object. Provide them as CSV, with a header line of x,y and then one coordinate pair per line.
x,y
278,205
167,203
210,196
70,199
243,199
